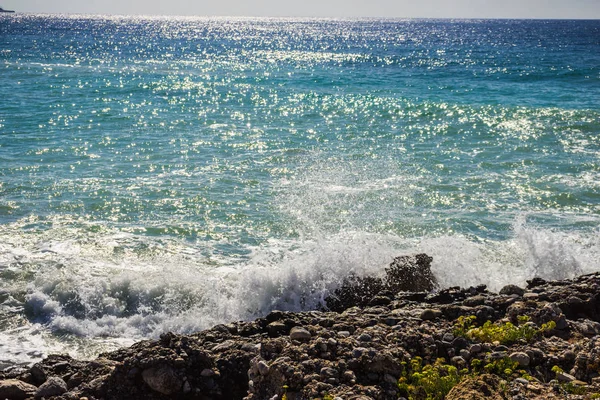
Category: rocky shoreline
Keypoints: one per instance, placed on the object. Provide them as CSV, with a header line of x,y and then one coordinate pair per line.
x,y
381,342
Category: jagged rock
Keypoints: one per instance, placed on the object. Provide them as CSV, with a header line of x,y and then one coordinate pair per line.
x,y
512,289
162,380
15,389
411,273
54,386
358,352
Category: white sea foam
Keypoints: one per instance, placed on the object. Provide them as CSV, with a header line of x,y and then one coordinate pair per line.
x,y
80,290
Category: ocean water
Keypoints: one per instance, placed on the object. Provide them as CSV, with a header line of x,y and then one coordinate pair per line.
x,y
173,173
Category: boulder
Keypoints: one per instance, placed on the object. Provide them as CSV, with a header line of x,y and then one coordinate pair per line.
x,y
15,389
54,386
411,273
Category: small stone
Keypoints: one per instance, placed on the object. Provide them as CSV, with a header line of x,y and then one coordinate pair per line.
x,y
162,380
430,313
300,334
569,355
365,337
276,328
263,368
357,352
207,372
274,315
512,289
475,349
464,353
343,334
390,379
349,376
16,389
561,322
564,377
54,386
522,381
530,296
328,372
474,301
186,387
520,357
448,337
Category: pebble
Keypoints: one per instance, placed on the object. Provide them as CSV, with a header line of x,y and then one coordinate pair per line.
x,y
475,349
263,368
365,337
300,334
564,377
430,313
520,357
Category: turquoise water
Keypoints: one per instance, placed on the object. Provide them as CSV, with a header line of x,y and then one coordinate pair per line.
x,y
172,173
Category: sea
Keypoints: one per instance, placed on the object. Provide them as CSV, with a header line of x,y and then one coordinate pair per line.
x,y
172,173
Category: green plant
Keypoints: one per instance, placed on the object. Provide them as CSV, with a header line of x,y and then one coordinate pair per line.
x,y
429,382
505,333
503,367
557,370
571,388
463,325
285,388
328,397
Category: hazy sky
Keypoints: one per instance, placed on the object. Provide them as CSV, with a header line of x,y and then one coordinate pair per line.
x,y
322,8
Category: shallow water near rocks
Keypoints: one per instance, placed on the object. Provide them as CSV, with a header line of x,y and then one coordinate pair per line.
x,y
174,173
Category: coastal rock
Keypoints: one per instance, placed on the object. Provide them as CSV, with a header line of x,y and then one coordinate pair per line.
x,y
15,389
360,352
429,314
512,289
162,379
54,386
522,358
411,273
300,334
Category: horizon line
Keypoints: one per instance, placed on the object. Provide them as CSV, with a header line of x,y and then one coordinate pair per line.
x,y
308,16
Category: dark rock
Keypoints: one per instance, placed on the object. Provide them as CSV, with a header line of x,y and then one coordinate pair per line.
x,y
54,386
512,289
276,328
163,380
430,313
535,282
38,374
15,389
411,273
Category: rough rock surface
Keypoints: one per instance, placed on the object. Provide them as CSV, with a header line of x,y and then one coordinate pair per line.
x,y
360,352
16,389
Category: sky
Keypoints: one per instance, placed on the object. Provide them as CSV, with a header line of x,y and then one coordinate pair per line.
x,y
567,9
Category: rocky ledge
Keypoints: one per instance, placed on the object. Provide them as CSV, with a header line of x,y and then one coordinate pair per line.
x,y
381,342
